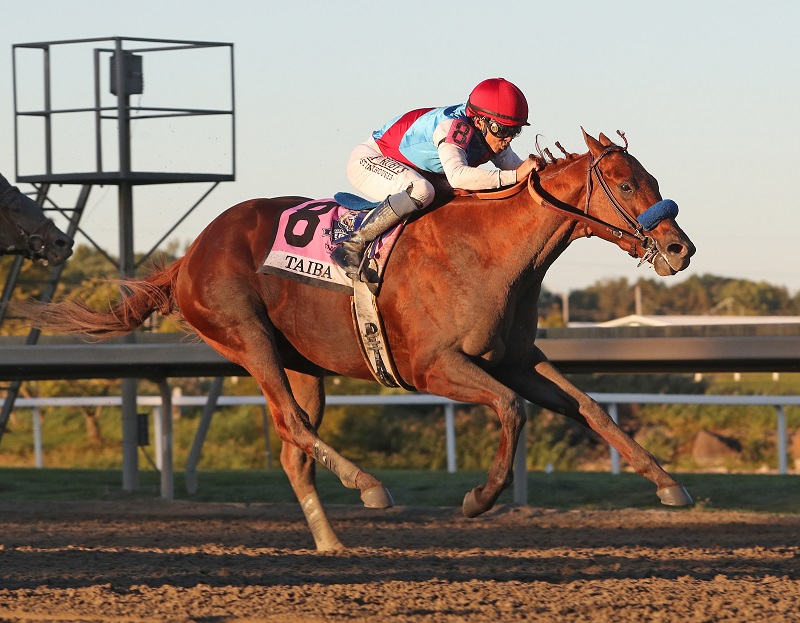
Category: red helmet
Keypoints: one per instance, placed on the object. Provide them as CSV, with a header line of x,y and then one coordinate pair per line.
x,y
498,99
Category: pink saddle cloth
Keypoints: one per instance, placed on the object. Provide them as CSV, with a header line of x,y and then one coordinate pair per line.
x,y
306,235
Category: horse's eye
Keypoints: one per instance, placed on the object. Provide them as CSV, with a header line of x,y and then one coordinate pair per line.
x,y
625,187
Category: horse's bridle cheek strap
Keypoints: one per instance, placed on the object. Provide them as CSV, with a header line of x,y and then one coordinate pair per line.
x,y
632,244
21,234
24,235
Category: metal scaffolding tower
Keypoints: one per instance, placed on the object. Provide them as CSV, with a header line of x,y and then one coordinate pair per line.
x,y
45,105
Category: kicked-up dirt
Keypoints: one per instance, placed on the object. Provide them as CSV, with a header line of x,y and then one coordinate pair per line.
x,y
176,562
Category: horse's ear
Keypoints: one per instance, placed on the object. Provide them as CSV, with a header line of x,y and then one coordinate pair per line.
x,y
595,147
605,141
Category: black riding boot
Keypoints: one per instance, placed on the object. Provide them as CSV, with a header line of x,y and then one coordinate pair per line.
x,y
350,253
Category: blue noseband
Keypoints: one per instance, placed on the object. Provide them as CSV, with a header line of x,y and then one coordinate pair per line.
x,y
652,216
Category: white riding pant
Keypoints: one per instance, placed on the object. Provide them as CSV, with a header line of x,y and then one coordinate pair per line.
x,y
378,176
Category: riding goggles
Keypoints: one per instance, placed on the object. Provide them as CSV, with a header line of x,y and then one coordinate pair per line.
x,y
503,131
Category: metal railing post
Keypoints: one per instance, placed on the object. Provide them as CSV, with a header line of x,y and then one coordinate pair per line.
x,y
450,435
613,452
157,436
37,437
200,436
166,442
783,467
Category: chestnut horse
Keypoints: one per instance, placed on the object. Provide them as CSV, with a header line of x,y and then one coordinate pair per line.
x,y
459,304
26,231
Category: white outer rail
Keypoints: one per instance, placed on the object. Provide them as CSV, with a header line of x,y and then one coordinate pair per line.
x,y
164,440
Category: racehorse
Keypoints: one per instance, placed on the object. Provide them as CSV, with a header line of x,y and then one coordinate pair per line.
x,y
26,231
460,316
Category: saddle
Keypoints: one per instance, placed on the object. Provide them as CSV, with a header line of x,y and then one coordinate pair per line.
x,y
300,250
497,193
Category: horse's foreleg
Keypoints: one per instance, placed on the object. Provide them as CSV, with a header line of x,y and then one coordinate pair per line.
x,y
454,376
301,468
548,388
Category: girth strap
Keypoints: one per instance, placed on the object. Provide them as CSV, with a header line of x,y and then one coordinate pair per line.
x,y
368,325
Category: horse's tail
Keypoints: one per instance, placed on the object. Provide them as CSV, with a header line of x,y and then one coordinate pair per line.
x,y
141,297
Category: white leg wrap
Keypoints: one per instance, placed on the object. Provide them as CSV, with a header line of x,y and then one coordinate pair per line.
x,y
344,469
321,529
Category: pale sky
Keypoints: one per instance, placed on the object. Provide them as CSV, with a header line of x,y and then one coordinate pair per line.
x,y
707,92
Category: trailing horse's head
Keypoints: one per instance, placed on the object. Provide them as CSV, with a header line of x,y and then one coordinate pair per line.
x,y
620,192
26,231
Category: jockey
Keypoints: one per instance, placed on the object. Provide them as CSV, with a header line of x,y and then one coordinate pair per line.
x,y
453,141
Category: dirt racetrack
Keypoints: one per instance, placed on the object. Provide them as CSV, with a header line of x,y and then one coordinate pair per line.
x,y
154,561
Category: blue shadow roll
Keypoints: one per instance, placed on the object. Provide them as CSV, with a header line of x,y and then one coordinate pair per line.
x,y
652,216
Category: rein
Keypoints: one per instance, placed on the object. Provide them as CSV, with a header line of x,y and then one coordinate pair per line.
x,y
625,240
634,242
623,213
631,240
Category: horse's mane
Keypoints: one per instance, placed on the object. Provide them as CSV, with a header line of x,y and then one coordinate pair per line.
x,y
553,163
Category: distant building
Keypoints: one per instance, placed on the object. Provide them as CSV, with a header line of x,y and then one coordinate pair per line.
x,y
637,320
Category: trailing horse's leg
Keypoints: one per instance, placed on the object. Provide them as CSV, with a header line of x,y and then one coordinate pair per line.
x,y
453,375
548,388
301,468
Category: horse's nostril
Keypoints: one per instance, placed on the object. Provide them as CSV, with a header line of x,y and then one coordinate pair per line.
x,y
676,249
36,243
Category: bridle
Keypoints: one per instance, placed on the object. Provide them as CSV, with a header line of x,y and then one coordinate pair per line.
x,y
34,241
630,239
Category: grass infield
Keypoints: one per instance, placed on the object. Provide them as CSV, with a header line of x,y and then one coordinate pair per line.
x,y
561,490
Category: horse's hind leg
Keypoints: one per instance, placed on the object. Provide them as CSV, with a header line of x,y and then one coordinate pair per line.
x,y
248,341
301,468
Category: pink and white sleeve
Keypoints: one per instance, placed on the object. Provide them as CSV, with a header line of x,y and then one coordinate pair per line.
x,y
458,171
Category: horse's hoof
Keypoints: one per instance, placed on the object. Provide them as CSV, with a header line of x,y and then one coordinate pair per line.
x,y
377,497
470,505
331,546
676,495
